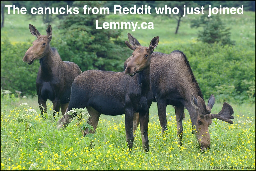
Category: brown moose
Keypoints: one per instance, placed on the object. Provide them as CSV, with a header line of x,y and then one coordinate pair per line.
x,y
173,83
116,93
55,77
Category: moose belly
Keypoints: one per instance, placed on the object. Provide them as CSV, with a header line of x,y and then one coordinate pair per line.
x,y
107,105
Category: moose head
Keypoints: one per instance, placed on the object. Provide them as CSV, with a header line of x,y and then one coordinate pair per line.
x,y
41,46
141,55
204,119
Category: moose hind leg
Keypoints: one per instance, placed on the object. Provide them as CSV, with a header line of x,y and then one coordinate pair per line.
x,y
179,112
136,121
63,108
144,119
93,120
56,107
161,106
42,106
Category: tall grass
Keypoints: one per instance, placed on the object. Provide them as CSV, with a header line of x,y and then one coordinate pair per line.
x,y
30,142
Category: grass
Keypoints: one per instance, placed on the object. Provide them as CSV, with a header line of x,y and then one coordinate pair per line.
x,y
30,142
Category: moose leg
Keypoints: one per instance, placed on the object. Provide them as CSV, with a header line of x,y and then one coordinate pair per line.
x,y
63,108
56,107
144,119
161,106
193,115
93,120
179,112
136,121
42,106
129,127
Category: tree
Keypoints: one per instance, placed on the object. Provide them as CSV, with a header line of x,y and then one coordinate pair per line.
x,y
180,6
2,14
214,30
87,46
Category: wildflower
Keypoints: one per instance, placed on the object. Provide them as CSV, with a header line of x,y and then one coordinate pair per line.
x,y
23,104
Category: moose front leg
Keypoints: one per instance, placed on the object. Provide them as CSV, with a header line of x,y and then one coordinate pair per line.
x,y
42,106
144,119
179,112
129,127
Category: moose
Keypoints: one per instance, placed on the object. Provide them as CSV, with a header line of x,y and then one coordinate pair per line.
x,y
55,77
116,93
173,83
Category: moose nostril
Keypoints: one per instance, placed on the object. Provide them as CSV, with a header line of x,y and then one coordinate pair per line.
x,y
127,70
204,147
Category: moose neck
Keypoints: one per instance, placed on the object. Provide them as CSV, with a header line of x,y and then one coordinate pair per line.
x,y
144,80
47,62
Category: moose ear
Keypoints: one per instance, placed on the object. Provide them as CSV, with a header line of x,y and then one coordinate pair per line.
x,y
210,104
49,32
133,43
34,31
225,114
154,42
211,101
194,102
129,46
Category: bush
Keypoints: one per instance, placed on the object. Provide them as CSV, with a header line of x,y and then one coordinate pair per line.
x,y
214,30
17,75
225,71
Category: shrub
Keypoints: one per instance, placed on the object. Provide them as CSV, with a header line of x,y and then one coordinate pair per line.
x,y
225,71
15,74
214,30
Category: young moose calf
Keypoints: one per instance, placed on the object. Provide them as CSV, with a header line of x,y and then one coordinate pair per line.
x,y
55,77
116,93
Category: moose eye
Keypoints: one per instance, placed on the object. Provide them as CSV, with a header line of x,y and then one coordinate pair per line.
x,y
146,56
200,122
43,43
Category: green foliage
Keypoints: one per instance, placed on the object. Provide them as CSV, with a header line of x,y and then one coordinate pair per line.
x,y
225,71
214,30
30,142
15,74
47,17
248,5
88,47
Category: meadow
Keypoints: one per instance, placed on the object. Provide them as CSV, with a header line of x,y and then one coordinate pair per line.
x,y
30,142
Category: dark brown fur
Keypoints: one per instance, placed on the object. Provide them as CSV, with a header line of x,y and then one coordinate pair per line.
x,y
116,93
55,77
173,83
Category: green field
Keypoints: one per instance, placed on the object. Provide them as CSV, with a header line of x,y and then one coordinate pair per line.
x,y
30,142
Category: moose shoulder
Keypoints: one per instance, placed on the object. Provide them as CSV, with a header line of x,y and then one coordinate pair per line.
x,y
55,77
